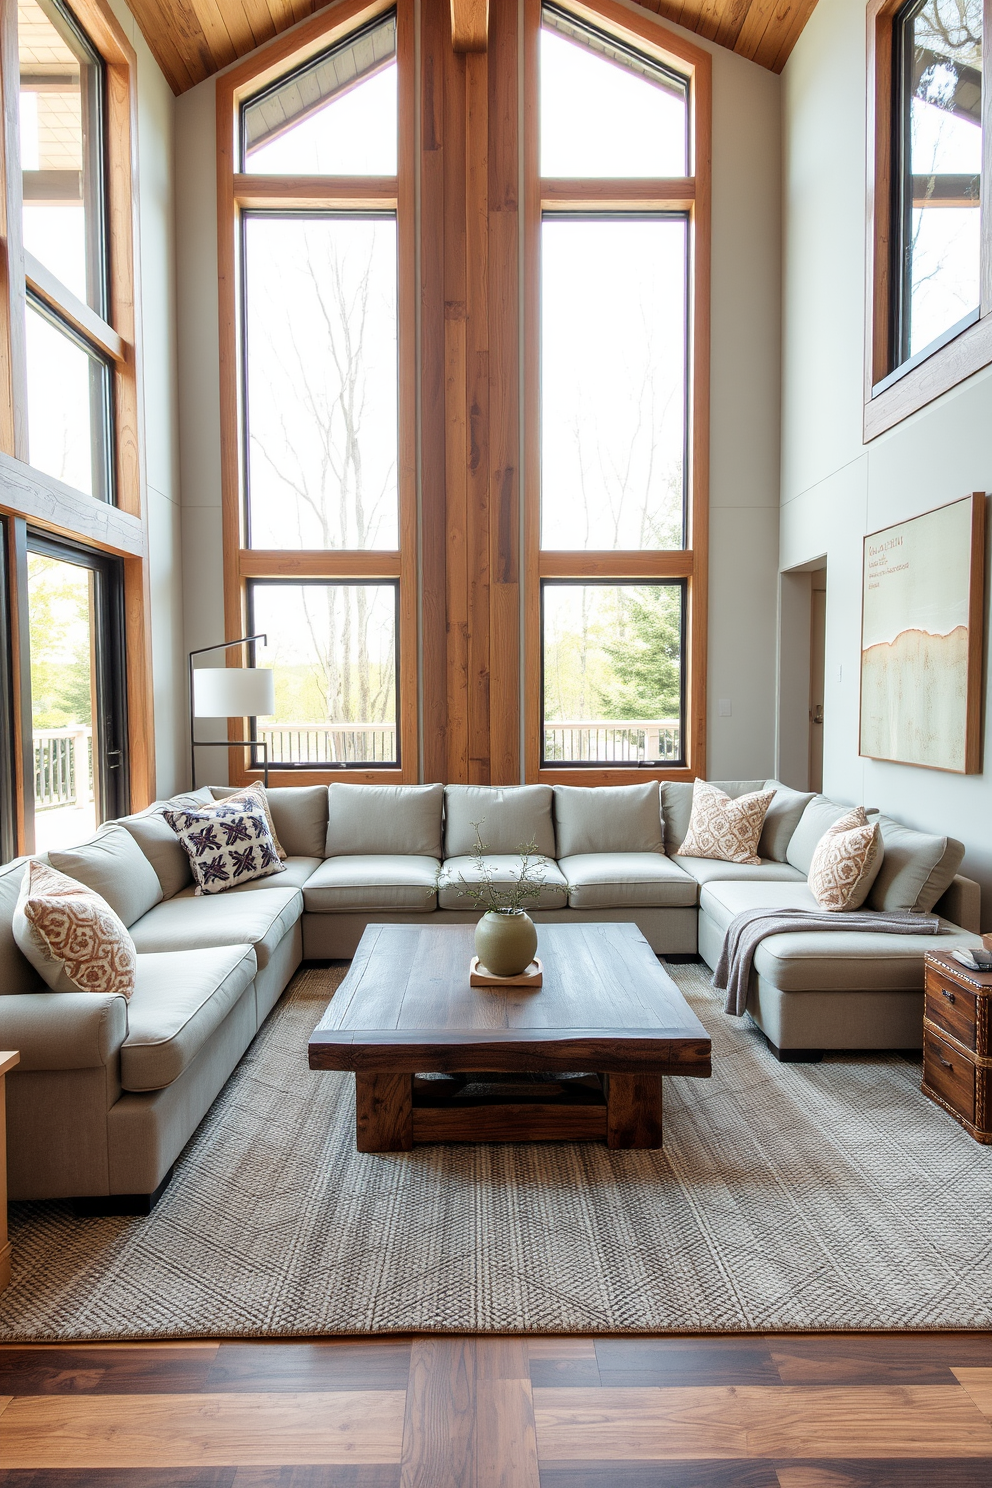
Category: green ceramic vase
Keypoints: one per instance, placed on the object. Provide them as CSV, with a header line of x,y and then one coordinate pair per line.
x,y
505,941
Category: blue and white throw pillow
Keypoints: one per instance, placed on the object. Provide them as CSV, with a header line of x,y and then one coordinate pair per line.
x,y
225,846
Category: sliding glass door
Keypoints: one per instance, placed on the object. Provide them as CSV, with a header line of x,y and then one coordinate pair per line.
x,y
77,704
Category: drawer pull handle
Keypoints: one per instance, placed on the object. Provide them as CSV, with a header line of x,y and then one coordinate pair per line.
x,y
945,1062
948,995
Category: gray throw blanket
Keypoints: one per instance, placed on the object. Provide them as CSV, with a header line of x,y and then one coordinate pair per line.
x,y
748,929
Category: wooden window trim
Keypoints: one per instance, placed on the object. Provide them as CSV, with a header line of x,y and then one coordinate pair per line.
x,y
28,494
237,191
692,196
971,349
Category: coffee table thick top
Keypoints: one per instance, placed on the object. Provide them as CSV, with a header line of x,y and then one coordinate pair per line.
x,y
406,1015
606,1005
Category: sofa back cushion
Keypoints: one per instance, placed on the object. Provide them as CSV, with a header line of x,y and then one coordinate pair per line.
x,y
916,868
160,846
384,819
676,805
820,813
608,818
299,815
781,820
508,815
16,972
113,866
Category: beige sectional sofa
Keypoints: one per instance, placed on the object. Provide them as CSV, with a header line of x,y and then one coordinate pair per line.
x,y
108,1093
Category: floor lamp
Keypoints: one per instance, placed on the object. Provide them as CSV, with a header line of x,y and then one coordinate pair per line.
x,y
229,692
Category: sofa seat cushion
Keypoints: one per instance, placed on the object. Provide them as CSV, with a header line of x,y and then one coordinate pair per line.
x,y
827,960
188,923
634,880
503,866
180,1000
712,870
369,881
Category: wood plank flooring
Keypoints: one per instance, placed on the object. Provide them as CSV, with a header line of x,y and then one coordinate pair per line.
x,y
746,1411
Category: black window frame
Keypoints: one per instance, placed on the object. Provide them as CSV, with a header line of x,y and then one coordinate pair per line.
x,y
353,582
650,582
110,730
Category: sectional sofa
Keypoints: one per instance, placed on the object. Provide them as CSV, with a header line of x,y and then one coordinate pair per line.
x,y
107,1093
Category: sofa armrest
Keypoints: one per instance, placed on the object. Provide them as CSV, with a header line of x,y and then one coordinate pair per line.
x,y
961,903
63,1030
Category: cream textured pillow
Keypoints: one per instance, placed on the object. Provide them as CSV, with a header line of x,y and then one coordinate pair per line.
x,y
846,861
70,935
725,827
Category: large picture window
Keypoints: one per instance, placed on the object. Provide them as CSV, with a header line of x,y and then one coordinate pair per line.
x,y
618,565
464,287
77,705
317,467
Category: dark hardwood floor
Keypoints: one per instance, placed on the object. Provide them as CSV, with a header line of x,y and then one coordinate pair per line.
x,y
755,1411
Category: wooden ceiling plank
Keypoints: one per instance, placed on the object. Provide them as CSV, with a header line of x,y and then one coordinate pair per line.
x,y
766,23
175,39
470,25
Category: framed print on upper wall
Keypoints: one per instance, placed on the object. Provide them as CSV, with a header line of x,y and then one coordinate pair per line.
x,y
921,639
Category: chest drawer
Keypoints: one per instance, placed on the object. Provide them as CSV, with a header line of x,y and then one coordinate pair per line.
x,y
952,1008
949,1074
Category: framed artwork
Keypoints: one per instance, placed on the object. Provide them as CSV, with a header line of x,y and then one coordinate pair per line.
x,y
921,639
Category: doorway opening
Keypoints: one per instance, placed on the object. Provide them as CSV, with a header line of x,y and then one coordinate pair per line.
x,y
802,649
817,657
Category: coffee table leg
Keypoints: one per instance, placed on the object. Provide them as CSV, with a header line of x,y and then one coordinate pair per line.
x,y
384,1113
633,1110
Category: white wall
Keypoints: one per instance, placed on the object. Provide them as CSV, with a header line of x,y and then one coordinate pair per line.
x,y
834,488
745,390
156,265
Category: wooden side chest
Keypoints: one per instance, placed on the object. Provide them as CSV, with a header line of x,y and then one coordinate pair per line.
x,y
957,1042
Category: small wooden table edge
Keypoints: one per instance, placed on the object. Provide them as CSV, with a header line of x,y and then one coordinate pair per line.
x,y
8,1059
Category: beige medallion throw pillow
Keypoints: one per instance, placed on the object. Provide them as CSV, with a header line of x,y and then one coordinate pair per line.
x,y
846,861
71,935
723,826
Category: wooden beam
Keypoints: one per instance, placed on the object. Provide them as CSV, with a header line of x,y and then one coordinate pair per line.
x,y
49,503
292,192
469,25
330,563
676,195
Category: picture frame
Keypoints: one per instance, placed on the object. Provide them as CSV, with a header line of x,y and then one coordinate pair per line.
x,y
922,623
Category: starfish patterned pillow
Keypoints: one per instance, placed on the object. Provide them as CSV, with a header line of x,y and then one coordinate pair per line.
x,y
228,849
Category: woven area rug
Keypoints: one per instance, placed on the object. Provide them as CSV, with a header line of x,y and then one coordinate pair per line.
x,y
787,1197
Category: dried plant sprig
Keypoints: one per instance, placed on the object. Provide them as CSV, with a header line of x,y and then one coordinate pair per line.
x,y
499,895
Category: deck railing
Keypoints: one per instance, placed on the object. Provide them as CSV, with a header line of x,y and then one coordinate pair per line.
x,y
63,767
613,741
605,740
344,743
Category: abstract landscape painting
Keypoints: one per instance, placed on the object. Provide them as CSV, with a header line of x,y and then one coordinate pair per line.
x,y
922,637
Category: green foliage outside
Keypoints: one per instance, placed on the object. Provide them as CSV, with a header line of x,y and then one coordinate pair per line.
x,y
646,655
301,696
612,651
59,609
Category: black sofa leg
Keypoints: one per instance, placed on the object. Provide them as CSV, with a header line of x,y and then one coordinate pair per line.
x,y
796,1056
103,1204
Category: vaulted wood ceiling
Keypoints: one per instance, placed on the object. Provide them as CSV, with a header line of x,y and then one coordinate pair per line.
x,y
191,39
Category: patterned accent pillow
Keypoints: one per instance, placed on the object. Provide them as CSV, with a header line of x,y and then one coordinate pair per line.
x,y
725,827
225,847
71,935
846,861
249,798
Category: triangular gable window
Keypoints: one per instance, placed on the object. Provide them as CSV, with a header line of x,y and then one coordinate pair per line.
x,y
606,109
334,117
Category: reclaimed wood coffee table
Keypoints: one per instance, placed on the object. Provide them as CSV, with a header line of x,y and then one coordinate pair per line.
x,y
580,1058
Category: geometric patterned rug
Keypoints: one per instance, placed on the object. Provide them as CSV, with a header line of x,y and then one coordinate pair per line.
x,y
786,1197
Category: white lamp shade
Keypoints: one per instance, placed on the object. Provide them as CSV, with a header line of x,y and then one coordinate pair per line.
x,y
233,692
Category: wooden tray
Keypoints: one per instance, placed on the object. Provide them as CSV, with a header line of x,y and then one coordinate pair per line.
x,y
533,976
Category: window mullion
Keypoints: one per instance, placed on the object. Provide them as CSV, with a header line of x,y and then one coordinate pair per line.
x,y
93,327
